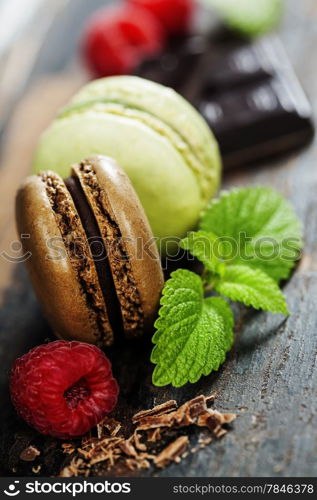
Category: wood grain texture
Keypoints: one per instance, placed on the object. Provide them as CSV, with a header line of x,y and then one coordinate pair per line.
x,y
270,377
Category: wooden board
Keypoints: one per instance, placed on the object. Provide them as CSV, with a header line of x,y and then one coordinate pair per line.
x,y
270,376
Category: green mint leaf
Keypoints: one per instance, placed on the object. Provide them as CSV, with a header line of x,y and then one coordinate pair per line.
x,y
203,246
248,17
193,333
258,228
252,287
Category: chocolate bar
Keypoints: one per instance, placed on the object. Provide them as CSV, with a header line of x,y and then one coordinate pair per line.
x,y
247,92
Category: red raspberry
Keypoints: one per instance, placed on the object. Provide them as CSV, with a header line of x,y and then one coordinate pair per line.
x,y
117,39
63,389
175,15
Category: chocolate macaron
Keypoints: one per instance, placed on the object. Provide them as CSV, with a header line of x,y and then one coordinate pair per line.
x,y
92,257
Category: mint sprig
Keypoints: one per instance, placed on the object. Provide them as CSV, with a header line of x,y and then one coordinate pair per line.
x,y
253,288
193,333
249,240
203,246
258,228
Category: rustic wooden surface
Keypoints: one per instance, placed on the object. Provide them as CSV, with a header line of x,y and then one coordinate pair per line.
x,y
270,376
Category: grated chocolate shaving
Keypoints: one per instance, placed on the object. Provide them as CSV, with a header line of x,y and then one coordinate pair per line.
x,y
214,421
184,416
36,469
68,448
156,411
29,454
128,448
156,439
210,399
154,435
137,441
172,452
153,422
108,426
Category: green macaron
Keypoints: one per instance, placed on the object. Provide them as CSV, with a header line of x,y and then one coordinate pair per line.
x,y
159,139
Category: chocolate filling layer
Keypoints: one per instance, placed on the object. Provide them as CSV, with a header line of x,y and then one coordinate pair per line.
x,y
99,253
74,238
121,269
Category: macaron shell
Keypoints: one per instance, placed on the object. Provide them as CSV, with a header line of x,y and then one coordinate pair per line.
x,y
167,187
124,207
170,108
51,270
164,130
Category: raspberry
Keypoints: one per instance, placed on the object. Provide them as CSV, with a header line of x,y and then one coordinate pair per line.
x,y
175,15
63,389
117,39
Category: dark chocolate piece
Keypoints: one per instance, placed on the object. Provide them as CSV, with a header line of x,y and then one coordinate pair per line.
x,y
248,93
